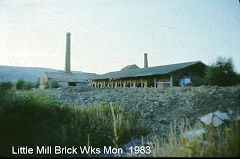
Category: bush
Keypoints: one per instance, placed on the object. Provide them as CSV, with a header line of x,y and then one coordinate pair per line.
x,y
6,85
33,120
54,84
5,88
27,85
221,73
46,86
20,84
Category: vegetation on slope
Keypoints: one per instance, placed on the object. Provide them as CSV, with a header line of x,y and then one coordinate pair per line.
x,y
26,85
32,120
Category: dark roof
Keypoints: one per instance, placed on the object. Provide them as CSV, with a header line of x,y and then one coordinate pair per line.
x,y
129,67
69,77
157,70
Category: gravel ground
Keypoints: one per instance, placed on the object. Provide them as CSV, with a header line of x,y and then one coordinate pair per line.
x,y
158,107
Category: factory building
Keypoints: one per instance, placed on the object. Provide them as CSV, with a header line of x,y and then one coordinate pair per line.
x,y
180,74
66,78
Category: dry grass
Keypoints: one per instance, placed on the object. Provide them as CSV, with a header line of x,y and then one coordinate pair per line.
x,y
223,141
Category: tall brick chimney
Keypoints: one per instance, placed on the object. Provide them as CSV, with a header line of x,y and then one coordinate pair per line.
x,y
68,52
145,60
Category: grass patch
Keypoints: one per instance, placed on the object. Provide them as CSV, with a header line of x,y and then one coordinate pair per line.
x,y
26,85
34,120
223,141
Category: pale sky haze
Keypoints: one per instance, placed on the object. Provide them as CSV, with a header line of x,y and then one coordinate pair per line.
x,y
107,35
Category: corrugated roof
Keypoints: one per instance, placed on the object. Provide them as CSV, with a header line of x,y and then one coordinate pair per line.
x,y
70,77
157,70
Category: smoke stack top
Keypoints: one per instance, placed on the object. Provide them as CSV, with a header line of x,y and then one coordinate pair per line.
x,y
68,54
145,60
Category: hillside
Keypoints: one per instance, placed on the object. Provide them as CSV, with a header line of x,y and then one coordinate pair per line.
x,y
13,73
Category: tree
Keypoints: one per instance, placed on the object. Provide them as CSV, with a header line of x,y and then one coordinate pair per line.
x,y
221,73
6,85
29,85
20,84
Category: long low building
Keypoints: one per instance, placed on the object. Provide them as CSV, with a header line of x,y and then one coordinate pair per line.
x,y
179,74
65,79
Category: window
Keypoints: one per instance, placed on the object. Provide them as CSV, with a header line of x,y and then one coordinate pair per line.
x,y
72,83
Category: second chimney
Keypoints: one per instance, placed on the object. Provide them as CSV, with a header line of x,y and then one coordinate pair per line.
x,y
68,52
145,60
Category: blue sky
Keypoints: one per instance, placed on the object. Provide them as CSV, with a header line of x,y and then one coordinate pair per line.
x,y
110,34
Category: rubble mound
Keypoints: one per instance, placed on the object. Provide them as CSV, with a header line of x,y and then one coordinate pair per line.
x,y
157,107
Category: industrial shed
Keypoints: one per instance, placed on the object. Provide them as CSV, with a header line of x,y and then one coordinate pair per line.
x,y
159,76
65,79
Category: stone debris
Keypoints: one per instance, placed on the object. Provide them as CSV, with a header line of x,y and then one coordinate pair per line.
x,y
215,118
193,134
216,121
156,107
222,116
207,119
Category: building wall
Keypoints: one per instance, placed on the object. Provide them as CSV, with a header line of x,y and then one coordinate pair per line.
x,y
195,73
62,84
81,84
43,81
147,81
